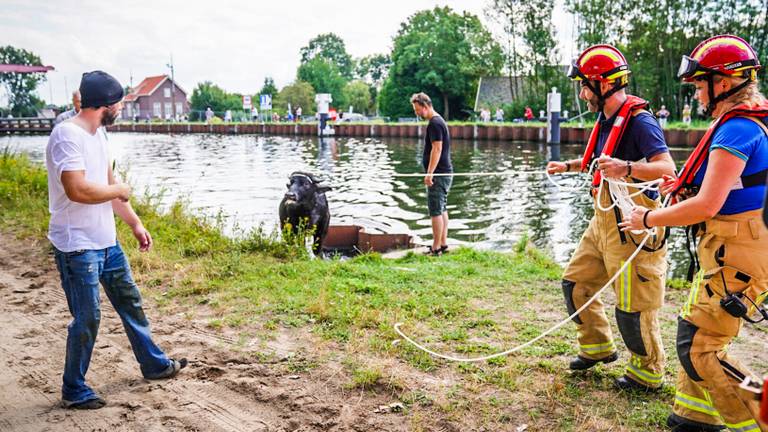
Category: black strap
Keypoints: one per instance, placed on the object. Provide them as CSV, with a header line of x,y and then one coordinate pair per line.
x,y
757,179
691,232
622,234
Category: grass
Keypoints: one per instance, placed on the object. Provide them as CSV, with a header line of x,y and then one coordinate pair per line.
x,y
467,302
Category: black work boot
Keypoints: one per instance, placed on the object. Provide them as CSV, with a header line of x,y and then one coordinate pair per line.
x,y
582,363
627,383
679,424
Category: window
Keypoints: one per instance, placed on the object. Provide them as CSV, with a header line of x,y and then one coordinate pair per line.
x,y
128,110
167,92
168,110
136,110
179,109
156,109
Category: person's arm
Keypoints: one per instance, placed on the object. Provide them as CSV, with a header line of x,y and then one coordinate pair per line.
x,y
557,167
656,167
82,191
125,212
434,159
723,171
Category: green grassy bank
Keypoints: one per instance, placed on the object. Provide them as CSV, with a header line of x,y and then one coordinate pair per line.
x,y
467,302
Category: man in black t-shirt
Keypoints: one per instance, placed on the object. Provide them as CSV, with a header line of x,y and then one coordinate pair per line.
x,y
436,160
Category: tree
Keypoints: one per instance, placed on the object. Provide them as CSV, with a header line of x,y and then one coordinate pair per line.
x,y
298,94
654,36
443,54
358,95
269,87
21,86
207,94
324,77
330,47
373,69
532,57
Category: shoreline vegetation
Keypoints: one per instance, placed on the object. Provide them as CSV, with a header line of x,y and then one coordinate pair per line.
x,y
467,302
675,125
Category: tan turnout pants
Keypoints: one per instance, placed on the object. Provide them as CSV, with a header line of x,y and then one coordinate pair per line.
x,y
602,251
733,252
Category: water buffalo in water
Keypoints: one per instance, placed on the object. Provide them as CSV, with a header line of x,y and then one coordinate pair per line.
x,y
305,205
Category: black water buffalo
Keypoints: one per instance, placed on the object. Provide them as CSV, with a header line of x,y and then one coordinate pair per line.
x,y
305,204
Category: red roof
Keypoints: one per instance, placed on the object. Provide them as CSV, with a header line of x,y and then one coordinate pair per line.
x,y
146,87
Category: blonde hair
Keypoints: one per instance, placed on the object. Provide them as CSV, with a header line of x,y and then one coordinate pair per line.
x,y
749,95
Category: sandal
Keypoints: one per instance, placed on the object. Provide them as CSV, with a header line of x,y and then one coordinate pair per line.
x,y
433,252
171,371
444,249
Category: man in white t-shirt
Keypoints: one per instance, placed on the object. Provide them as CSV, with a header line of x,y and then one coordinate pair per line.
x,y
83,198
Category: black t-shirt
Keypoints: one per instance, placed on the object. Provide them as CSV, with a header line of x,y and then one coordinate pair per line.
x,y
437,130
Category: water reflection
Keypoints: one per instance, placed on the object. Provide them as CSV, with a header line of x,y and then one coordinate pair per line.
x,y
243,178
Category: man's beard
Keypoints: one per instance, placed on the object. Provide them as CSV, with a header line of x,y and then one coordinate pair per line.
x,y
108,117
593,104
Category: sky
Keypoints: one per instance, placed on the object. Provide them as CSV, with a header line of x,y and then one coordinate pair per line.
x,y
235,44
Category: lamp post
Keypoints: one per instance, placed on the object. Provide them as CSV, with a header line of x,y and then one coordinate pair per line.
x,y
173,89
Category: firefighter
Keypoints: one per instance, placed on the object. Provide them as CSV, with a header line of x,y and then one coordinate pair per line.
x,y
720,191
628,145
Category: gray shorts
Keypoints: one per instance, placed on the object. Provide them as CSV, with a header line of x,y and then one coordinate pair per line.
x,y
437,195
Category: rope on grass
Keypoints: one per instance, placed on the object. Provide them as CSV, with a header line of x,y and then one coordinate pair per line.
x,y
622,197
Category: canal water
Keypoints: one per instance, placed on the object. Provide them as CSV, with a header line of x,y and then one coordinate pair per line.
x,y
242,178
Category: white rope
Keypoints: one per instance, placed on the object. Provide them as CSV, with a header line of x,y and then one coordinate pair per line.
x,y
648,234
472,174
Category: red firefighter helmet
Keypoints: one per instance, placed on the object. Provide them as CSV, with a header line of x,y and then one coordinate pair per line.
x,y
721,55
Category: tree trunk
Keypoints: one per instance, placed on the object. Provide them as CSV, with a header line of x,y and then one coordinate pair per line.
x,y
445,106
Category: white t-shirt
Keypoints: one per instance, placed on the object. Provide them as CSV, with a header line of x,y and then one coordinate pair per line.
x,y
76,226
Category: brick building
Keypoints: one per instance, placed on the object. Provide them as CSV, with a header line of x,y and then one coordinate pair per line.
x,y
157,97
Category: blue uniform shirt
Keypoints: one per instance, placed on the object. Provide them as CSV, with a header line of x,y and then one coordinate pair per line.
x,y
746,140
643,139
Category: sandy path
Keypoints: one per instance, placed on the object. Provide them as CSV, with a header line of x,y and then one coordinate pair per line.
x,y
225,388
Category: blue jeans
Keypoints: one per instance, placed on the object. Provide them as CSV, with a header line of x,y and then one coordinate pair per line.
x,y
81,272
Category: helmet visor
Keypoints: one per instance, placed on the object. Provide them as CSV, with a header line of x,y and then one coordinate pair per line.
x,y
574,73
688,68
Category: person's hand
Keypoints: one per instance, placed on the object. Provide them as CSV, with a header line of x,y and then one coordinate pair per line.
x,y
634,221
143,236
667,186
555,167
612,167
123,192
428,180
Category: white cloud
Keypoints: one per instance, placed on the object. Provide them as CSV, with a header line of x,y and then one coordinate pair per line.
x,y
235,44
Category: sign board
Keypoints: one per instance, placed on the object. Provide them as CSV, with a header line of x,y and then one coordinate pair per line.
x,y
246,102
265,101
323,101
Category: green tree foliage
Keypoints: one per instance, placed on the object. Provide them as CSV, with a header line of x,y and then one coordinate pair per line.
x,y
531,54
443,54
324,77
269,87
654,35
373,69
21,86
298,94
207,94
358,95
331,48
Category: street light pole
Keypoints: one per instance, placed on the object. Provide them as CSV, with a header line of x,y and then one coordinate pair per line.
x,y
173,89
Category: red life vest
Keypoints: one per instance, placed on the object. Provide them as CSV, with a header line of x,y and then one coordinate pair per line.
x,y
701,152
627,109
